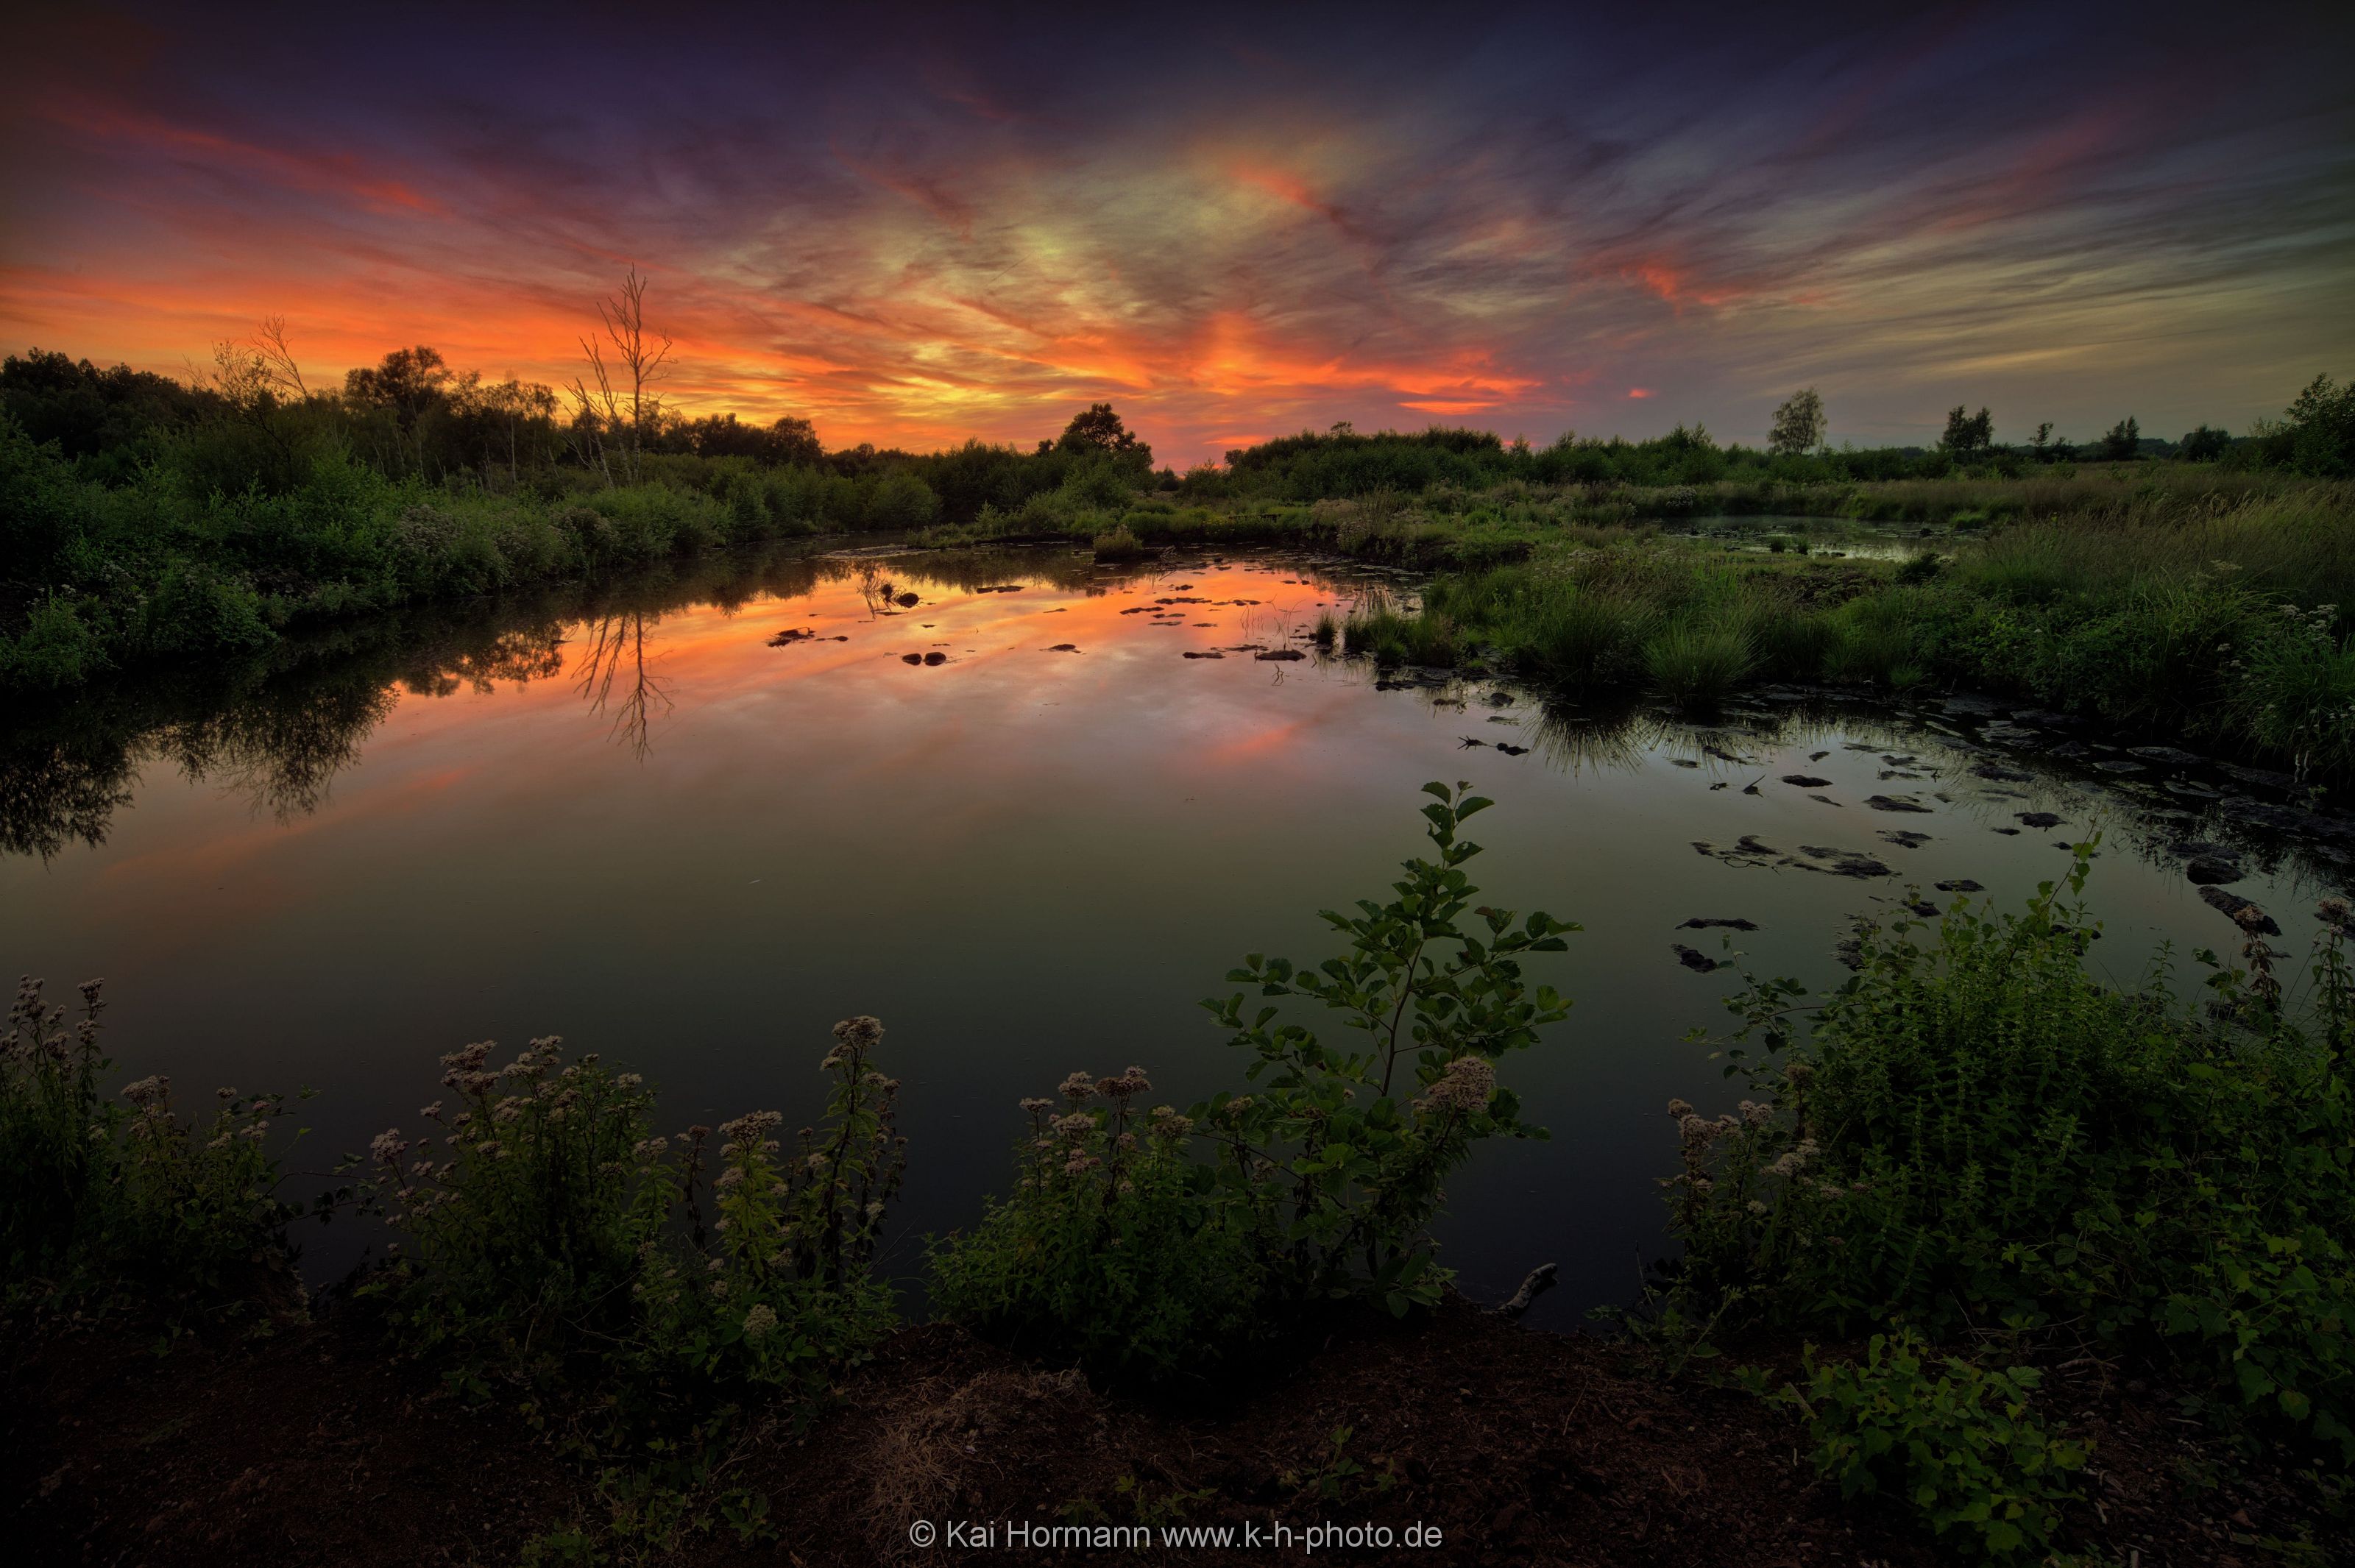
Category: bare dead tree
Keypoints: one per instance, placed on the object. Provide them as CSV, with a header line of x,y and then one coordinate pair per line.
x,y
641,363
277,360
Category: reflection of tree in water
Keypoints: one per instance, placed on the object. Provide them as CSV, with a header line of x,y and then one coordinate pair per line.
x,y
282,751
59,787
615,659
278,728
524,655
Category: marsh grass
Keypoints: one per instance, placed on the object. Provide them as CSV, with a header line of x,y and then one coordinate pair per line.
x,y
1378,629
2213,611
1693,664
1120,544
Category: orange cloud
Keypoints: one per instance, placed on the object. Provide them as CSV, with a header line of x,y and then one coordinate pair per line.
x,y
1676,285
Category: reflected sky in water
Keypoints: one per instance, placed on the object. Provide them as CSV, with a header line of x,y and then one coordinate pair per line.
x,y
692,822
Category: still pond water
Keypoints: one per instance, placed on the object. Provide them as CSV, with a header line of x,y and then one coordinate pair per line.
x,y
690,821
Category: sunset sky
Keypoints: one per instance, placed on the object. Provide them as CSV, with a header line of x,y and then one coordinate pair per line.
x,y
912,226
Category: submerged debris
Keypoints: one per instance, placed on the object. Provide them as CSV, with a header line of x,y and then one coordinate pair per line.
x,y
2239,911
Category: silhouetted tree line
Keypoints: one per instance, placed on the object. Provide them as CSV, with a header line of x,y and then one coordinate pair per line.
x,y
249,424
2315,436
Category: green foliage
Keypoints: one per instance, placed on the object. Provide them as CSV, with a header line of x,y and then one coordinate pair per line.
x,y
1348,1185
546,1223
1960,1445
1798,424
1972,1134
103,1200
1118,545
1124,1247
1337,1476
2317,433
1113,1250
2209,613
1698,666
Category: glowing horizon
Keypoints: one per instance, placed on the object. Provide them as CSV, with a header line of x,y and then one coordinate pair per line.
x,y
948,228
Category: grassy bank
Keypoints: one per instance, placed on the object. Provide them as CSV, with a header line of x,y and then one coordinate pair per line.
x,y
146,522
2207,617
1972,1169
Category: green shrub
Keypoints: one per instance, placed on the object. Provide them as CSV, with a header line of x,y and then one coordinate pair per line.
x,y
1118,545
102,1199
545,1222
1113,1250
56,648
1973,1132
2293,691
1961,1447
1315,1187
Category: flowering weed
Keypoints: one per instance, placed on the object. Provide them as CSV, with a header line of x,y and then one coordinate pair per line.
x,y
1161,1243
100,1197
1972,1137
545,1220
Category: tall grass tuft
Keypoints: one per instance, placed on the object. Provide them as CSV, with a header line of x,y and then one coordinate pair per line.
x,y
1695,665
1118,545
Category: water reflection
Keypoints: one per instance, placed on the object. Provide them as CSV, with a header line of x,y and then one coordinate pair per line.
x,y
1093,793
278,731
614,655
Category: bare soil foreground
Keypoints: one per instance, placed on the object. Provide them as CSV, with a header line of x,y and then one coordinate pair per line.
x,y
314,1447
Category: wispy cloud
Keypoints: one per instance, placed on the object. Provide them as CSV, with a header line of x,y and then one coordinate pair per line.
x,y
938,226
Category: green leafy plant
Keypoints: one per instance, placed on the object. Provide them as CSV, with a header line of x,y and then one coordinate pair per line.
x,y
1972,1134
1163,1243
1337,1476
1961,1445
1111,1249
104,1199
546,1221
1340,1152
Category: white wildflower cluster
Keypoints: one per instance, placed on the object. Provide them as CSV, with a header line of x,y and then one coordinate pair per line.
x,y
1465,1085
1125,1087
466,1073
853,1037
